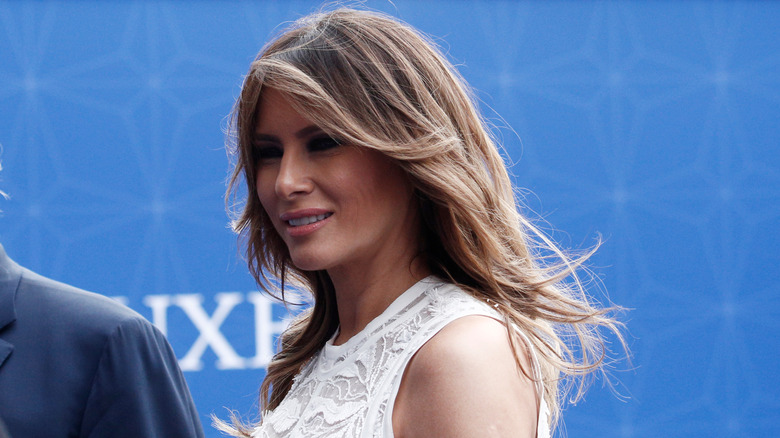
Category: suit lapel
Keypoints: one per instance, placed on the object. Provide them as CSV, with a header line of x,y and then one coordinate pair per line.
x,y
10,275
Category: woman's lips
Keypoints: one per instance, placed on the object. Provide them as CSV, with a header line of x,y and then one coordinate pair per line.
x,y
303,222
306,220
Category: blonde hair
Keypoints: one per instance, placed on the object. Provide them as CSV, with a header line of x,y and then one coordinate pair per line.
x,y
374,82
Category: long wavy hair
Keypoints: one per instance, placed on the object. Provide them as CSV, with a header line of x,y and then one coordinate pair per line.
x,y
377,83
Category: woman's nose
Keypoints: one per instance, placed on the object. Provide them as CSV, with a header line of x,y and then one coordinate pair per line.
x,y
293,178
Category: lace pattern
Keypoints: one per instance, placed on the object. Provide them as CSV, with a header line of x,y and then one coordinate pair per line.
x,y
349,390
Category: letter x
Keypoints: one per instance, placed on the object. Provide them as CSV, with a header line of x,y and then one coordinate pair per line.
x,y
210,336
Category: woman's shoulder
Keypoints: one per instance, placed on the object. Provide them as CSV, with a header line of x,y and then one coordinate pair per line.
x,y
465,381
465,342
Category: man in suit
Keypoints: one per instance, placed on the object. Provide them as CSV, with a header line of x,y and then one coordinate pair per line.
x,y
78,364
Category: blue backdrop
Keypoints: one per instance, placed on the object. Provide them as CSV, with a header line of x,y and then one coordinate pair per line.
x,y
652,123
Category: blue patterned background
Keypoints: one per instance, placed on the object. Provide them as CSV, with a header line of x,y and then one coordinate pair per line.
x,y
653,123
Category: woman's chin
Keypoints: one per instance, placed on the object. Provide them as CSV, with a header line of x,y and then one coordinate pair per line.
x,y
308,263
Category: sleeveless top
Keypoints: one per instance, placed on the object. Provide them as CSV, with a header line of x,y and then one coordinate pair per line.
x,y
349,390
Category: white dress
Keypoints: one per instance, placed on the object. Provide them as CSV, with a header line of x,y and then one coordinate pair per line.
x,y
349,390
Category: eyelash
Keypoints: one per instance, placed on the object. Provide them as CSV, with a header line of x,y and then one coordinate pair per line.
x,y
317,144
322,144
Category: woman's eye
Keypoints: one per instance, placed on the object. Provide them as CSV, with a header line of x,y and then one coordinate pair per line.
x,y
322,144
263,153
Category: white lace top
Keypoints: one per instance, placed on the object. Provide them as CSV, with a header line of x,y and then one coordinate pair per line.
x,y
349,390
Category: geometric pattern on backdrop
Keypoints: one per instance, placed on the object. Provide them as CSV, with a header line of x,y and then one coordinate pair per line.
x,y
652,124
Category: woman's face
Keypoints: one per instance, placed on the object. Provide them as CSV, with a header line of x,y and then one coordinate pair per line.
x,y
335,206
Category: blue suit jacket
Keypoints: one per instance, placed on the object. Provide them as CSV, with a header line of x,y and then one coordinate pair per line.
x,y
78,364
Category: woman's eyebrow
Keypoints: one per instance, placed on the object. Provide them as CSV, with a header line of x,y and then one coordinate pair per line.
x,y
265,137
307,131
303,133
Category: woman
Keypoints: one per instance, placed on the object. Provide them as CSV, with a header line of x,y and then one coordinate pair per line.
x,y
373,182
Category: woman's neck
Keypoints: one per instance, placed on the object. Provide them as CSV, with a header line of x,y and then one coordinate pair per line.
x,y
363,293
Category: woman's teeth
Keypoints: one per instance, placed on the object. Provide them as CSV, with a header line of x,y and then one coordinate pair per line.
x,y
307,220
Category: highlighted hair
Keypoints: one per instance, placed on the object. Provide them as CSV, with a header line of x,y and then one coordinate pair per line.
x,y
374,82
